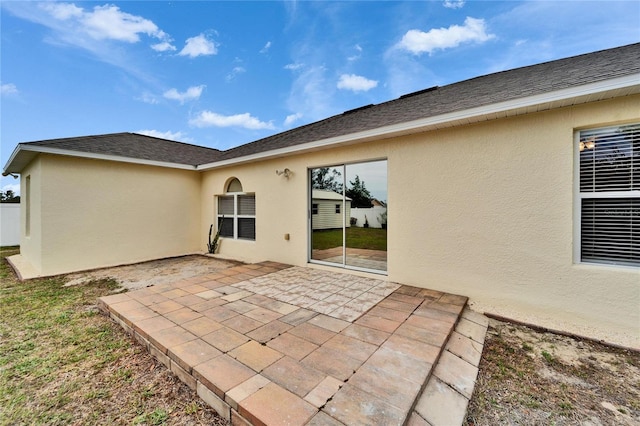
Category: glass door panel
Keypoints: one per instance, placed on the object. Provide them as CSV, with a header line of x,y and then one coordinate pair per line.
x,y
348,215
327,214
366,218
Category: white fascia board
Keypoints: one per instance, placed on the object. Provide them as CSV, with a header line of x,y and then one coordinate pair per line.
x,y
13,156
439,120
94,156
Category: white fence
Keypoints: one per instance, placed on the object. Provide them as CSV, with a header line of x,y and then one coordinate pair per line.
x,y
9,224
373,216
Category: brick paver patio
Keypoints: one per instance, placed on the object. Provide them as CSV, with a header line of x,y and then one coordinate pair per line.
x,y
270,344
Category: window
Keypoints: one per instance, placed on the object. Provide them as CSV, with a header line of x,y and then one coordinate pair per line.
x,y
609,195
314,209
337,208
237,213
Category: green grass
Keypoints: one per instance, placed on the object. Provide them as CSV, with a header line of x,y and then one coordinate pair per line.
x,y
47,333
363,238
63,363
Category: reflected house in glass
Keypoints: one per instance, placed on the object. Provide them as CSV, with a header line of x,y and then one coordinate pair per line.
x,y
518,189
328,209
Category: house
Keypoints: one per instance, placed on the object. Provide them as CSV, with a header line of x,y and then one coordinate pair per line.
x,y
329,209
519,189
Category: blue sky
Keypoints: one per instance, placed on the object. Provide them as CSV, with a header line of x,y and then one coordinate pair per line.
x,y
220,74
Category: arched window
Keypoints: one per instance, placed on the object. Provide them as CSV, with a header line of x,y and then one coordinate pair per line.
x,y
237,212
234,185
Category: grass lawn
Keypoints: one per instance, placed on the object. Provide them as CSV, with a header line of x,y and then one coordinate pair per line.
x,y
62,362
364,238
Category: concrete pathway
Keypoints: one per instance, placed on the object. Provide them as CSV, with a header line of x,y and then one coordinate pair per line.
x,y
301,355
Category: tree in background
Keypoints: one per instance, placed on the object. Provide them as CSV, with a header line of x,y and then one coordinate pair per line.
x,y
359,194
9,196
327,178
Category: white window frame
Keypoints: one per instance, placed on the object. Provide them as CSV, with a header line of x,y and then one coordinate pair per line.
x,y
579,196
236,215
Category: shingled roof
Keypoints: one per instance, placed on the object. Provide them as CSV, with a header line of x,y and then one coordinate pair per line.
x,y
476,92
564,76
133,145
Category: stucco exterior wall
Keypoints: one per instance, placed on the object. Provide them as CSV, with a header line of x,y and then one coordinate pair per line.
x,y
101,213
485,210
496,223
31,205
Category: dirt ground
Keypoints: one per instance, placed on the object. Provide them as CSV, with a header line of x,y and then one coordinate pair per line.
x,y
526,377
155,272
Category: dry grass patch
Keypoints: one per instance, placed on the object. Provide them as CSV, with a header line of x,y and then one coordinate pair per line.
x,y
532,378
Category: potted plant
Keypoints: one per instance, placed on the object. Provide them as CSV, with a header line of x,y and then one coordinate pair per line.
x,y
366,221
382,218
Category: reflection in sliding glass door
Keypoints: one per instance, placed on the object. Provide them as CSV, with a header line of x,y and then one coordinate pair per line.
x,y
327,217
348,215
366,230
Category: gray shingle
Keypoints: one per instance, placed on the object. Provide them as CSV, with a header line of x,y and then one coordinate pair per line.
x,y
476,92
136,146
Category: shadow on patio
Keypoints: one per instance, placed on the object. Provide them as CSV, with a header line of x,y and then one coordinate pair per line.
x,y
273,344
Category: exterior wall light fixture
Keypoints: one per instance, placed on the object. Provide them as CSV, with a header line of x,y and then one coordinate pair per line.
x,y
286,172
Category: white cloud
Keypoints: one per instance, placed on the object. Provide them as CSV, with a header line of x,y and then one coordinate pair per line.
x,y
147,98
111,23
106,22
9,89
418,42
95,30
266,47
293,67
172,136
212,119
355,83
357,56
234,72
198,46
190,94
163,47
453,4
312,94
63,11
292,118
15,187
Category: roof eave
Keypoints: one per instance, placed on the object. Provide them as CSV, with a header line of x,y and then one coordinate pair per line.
x,y
597,91
24,154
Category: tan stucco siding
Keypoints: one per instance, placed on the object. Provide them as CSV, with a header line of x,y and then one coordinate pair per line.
x,y
100,213
484,210
30,203
496,222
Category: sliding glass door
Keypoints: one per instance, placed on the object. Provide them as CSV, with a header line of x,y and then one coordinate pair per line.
x,y
348,215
